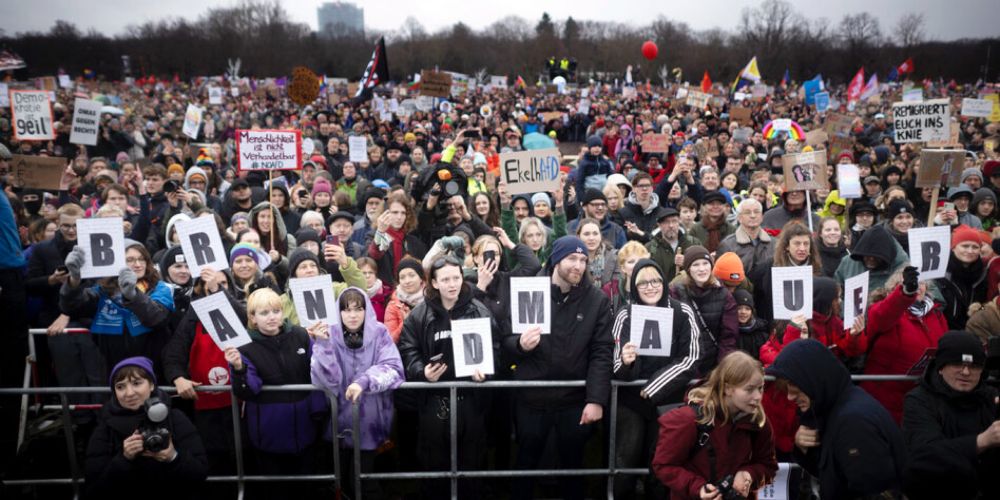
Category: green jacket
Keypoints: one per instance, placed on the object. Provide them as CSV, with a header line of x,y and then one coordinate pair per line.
x,y
509,225
663,255
352,277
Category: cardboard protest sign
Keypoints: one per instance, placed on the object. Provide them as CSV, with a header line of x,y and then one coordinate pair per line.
x,y
435,84
358,148
37,172
837,124
103,241
922,121
792,291
530,304
655,143
739,114
215,95
313,299
940,167
804,171
548,116
822,101
848,181
269,149
976,107
472,346
855,298
952,142
220,319
816,137
651,330
192,121
31,115
202,244
930,248
530,171
697,99
86,122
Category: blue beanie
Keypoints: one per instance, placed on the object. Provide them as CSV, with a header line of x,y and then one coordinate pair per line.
x,y
565,246
594,140
140,361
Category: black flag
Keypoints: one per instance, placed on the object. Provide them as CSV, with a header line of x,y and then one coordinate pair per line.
x,y
376,73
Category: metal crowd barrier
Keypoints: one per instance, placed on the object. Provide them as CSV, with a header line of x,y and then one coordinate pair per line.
x,y
453,474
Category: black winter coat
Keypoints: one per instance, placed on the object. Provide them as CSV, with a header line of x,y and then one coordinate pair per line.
x,y
45,258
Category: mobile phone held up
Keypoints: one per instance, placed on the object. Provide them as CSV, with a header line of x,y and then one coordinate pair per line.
x,y
436,359
332,240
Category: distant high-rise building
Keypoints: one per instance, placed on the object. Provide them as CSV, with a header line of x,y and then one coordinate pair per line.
x,y
339,18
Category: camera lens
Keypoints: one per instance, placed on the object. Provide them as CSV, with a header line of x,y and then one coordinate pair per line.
x,y
451,188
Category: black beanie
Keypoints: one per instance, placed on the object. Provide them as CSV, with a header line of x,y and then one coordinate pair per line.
x,y
298,256
744,298
170,257
410,263
959,346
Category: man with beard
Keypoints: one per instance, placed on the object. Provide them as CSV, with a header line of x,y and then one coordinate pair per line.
x,y
595,206
579,347
793,207
239,198
388,169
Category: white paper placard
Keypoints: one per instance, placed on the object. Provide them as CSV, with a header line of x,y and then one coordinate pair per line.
x,y
358,147
930,249
218,317
792,291
777,490
313,299
855,298
848,181
530,304
192,121
472,346
202,244
977,107
651,330
86,122
65,82
922,121
103,241
31,115
215,95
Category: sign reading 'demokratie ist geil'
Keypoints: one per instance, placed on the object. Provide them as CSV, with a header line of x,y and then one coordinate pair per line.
x,y
269,149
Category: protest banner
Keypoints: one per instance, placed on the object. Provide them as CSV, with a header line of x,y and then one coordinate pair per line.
x,y
922,121
530,304
472,346
530,171
980,108
805,171
498,82
740,114
822,100
697,99
651,330
655,143
192,121
816,137
86,122
930,248
435,84
220,319
269,149
848,181
313,299
103,242
940,167
37,172
913,95
31,115
357,148
855,298
202,244
215,95
792,291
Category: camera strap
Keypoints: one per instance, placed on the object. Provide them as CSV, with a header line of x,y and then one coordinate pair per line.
x,y
704,441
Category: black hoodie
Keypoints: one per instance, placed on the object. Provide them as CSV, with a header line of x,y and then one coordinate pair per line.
x,y
862,450
667,377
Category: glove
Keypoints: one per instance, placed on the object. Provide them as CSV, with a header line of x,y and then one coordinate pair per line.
x,y
126,283
74,262
452,243
910,283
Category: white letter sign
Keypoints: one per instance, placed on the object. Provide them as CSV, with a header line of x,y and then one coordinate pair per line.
x,y
103,240
313,299
530,304
472,345
218,317
652,330
792,291
930,248
855,298
201,244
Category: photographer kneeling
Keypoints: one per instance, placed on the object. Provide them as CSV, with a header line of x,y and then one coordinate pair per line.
x,y
141,446
950,425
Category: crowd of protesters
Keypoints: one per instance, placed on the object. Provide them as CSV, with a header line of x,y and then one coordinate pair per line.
x,y
696,229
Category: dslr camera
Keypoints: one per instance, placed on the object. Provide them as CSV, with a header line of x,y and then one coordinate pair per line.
x,y
154,426
170,186
726,491
444,180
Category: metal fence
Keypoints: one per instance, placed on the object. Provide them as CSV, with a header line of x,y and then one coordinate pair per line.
x,y
453,474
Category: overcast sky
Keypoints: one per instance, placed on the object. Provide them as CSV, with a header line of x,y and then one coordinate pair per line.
x,y
945,19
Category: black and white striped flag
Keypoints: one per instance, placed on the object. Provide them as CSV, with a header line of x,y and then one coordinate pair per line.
x,y
376,73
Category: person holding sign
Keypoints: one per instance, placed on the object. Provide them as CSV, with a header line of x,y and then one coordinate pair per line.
x,y
795,247
719,445
904,322
667,376
426,350
130,313
714,306
964,283
265,219
303,263
282,426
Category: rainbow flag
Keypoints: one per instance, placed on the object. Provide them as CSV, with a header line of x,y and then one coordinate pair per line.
x,y
750,74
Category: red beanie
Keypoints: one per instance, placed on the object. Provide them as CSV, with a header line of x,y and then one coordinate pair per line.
x,y
963,234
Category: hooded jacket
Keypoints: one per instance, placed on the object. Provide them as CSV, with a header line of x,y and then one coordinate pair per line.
x,y
375,366
111,475
834,199
667,377
862,450
875,242
351,274
940,426
644,219
962,286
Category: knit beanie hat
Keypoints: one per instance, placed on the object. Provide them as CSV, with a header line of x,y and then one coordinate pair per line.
x,y
565,246
964,233
240,249
175,169
140,361
541,198
959,346
410,263
743,297
594,140
729,267
896,207
321,185
172,256
298,256
971,172
695,253
306,234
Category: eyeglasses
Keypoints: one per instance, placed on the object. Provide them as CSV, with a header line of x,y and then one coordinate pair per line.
x,y
646,285
67,227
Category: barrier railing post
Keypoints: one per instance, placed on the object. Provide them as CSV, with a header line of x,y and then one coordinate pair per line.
x,y
22,419
238,444
356,439
334,407
613,441
453,432
67,421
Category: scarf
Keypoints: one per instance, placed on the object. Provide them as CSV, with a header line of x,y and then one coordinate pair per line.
x,y
398,238
413,300
596,266
375,288
714,230
922,307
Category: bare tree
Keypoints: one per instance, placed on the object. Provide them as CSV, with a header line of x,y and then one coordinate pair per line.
x,y
909,30
766,31
859,30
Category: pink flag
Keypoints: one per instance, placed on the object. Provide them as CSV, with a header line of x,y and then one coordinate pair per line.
x,y
871,88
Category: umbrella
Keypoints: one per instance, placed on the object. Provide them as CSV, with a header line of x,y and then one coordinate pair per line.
x,y
111,110
536,140
103,99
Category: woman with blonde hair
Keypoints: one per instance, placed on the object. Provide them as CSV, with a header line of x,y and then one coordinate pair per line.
x,y
618,288
720,442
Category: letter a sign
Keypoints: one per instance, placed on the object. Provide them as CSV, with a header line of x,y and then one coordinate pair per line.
x,y
652,330
531,304
792,291
221,321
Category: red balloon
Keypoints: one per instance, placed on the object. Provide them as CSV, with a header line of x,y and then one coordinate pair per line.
x,y
649,50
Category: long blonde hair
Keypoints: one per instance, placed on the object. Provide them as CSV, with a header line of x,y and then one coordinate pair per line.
x,y
735,370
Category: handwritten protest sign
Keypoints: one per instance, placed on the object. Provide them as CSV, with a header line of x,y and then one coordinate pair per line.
x,y
192,121
313,299
103,242
952,142
357,147
530,171
922,121
86,122
740,115
472,346
655,143
651,330
435,84
220,319
31,113
792,292
804,171
940,167
202,244
215,95
976,107
848,181
37,172
530,304
269,149
697,99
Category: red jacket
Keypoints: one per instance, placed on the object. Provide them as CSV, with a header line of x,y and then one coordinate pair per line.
x,y
898,339
781,413
740,446
829,330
